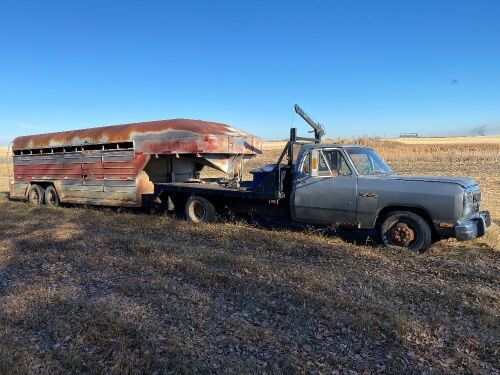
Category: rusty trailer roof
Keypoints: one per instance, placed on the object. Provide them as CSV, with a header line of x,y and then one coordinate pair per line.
x,y
178,129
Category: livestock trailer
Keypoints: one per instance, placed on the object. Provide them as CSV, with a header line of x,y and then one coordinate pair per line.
x,y
119,165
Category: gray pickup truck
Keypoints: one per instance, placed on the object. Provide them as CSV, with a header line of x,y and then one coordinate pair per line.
x,y
352,185
347,185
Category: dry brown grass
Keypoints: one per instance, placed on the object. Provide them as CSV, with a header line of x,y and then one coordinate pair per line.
x,y
99,291
88,290
448,140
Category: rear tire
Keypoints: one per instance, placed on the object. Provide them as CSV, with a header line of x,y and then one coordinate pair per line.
x,y
405,229
199,210
51,197
36,195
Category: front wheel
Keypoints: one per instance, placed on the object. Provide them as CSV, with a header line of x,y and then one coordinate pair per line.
x,y
407,230
199,210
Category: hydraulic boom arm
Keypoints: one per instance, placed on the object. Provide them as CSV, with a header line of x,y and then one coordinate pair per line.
x,y
319,130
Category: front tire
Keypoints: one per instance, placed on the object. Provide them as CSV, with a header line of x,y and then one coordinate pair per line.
x,y
404,229
36,195
199,210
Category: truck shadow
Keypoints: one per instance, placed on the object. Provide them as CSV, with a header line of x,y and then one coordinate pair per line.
x,y
350,235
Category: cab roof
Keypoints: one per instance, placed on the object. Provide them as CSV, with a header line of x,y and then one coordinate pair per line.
x,y
333,145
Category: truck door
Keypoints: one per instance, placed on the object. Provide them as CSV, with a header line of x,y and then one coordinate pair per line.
x,y
324,189
93,175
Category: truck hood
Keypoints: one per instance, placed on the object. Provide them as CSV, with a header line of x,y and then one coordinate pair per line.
x,y
462,181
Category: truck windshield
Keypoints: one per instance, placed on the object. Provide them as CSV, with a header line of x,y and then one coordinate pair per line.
x,y
367,161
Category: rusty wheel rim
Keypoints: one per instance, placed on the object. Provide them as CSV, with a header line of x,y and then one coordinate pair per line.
x,y
401,234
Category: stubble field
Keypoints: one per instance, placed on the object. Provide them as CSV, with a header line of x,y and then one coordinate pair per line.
x,y
5,168
100,291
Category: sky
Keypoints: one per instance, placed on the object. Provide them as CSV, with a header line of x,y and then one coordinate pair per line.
x,y
362,68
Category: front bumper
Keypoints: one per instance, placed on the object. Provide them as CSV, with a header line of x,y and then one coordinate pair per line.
x,y
474,227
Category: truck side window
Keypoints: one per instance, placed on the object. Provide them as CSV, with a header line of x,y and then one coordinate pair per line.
x,y
336,162
306,164
323,170
362,162
343,167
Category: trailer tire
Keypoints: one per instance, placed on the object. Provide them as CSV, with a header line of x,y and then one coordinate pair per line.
x,y
405,229
51,197
36,195
199,210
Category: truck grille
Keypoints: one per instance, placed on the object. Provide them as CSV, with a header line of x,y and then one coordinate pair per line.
x,y
476,197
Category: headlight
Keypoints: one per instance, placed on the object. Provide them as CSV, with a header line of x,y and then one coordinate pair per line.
x,y
472,200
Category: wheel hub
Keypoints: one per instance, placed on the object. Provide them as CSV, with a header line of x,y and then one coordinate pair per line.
x,y
401,234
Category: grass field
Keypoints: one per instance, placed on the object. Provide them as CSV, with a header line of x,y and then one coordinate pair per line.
x,y
100,291
451,141
448,140
5,168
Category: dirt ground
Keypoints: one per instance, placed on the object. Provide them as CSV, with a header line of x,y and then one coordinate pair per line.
x,y
96,290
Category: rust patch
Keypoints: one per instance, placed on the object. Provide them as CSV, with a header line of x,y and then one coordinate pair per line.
x,y
199,133
143,186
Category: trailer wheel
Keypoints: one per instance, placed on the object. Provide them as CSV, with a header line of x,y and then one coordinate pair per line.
x,y
51,197
36,194
407,230
199,210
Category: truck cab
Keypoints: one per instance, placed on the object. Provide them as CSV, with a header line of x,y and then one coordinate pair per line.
x,y
351,185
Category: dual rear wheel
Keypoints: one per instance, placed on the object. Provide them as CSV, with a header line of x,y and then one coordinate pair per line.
x,y
38,195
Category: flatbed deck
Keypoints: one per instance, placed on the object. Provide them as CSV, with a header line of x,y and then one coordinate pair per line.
x,y
245,191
